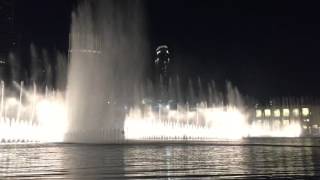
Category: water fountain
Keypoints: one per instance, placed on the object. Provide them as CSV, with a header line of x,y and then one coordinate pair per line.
x,y
107,50
109,101
105,92
38,119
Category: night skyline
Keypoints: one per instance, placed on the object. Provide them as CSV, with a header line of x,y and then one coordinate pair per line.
x,y
266,49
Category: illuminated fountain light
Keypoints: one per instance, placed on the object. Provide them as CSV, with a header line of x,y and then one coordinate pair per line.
x,y
202,124
43,118
12,131
40,119
275,128
52,119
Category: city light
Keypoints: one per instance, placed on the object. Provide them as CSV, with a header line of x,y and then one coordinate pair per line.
x,y
276,113
258,113
305,111
267,112
286,112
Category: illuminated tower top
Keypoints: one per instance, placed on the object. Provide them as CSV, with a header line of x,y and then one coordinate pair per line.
x,y
162,60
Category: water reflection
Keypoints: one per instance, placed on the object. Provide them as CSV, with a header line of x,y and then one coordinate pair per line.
x,y
238,160
31,161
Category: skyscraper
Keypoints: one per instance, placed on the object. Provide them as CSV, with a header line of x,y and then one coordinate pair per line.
x,y
162,62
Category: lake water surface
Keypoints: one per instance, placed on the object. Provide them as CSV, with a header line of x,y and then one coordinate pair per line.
x,y
245,159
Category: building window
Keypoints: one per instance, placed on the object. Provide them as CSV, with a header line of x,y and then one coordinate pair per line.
x,y
276,113
286,112
295,112
305,111
267,112
258,113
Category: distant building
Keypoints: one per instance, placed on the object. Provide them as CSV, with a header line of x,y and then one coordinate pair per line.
x,y
162,61
306,112
161,67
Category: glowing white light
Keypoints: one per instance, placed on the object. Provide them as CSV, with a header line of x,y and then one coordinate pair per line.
x,y
11,101
203,124
267,112
305,111
52,119
46,122
267,129
286,112
41,120
285,122
276,113
207,123
258,113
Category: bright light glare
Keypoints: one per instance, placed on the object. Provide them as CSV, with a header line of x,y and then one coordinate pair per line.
x,y
258,113
51,115
42,120
305,111
274,129
276,113
205,124
267,112
286,112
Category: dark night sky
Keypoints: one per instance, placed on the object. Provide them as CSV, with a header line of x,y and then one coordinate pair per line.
x,y
267,48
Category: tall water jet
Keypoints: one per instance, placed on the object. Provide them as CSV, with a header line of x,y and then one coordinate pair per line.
x,y
20,102
106,54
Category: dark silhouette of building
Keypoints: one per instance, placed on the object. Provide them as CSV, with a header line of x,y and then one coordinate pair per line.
x,y
161,63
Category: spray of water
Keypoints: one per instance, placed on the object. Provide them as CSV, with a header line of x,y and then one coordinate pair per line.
x,y
106,100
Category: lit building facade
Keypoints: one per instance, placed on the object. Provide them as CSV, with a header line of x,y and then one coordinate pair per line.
x,y
306,114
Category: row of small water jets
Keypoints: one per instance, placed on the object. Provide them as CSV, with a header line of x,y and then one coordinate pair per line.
x,y
33,116
203,124
199,112
42,117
